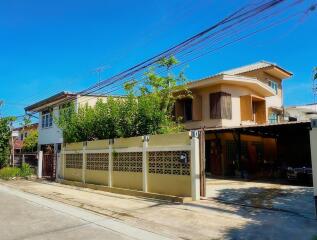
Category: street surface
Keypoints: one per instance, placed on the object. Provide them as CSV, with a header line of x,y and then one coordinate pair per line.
x,y
27,216
233,210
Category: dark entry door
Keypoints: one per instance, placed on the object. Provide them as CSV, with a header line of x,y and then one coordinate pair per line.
x,y
48,166
213,157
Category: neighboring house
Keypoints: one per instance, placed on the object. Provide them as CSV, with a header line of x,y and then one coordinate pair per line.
x,y
301,112
23,133
246,95
50,136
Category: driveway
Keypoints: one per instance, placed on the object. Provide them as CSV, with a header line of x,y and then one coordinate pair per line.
x,y
213,218
297,200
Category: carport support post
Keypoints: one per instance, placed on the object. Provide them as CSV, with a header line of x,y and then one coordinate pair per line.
x,y
194,166
39,164
313,149
145,140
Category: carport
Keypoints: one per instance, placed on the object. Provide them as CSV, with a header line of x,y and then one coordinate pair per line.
x,y
256,152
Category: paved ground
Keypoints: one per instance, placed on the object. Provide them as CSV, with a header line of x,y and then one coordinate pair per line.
x,y
293,199
215,218
27,216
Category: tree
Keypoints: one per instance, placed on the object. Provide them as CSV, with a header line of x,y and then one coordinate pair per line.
x,y
147,109
30,142
5,135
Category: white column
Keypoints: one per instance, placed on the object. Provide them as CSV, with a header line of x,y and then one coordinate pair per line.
x,y
110,158
39,164
313,149
63,161
194,166
23,158
58,166
83,177
145,163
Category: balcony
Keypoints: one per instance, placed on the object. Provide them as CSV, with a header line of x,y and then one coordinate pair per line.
x,y
253,109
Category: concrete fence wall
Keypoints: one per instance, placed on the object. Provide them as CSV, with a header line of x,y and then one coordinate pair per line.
x,y
165,164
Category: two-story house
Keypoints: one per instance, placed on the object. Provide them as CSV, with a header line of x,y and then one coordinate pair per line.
x,y
228,106
50,135
243,96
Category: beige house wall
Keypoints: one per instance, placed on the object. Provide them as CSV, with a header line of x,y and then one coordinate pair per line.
x,y
235,91
274,101
89,100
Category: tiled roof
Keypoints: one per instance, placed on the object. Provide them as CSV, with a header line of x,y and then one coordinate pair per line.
x,y
248,68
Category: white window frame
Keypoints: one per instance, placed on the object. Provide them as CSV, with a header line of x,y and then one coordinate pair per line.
x,y
47,120
274,85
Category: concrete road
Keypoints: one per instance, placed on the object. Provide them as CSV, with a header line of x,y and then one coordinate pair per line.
x,y
27,216
203,220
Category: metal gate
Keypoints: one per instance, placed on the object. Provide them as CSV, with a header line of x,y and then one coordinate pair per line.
x,y
49,166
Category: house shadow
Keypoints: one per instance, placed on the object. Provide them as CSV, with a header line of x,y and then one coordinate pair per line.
x,y
271,213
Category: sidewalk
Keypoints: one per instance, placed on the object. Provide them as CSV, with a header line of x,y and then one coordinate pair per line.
x,y
208,219
28,216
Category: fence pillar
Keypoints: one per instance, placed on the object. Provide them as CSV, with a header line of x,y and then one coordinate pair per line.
x,y
313,149
194,165
40,164
145,163
83,174
110,166
63,162
58,165
23,158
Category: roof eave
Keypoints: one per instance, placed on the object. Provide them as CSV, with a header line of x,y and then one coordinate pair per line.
x,y
48,101
251,83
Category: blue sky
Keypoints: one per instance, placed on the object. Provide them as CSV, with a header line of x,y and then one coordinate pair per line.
x,y
50,46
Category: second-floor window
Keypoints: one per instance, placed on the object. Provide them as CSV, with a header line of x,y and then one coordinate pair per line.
x,y
273,117
273,85
220,105
47,119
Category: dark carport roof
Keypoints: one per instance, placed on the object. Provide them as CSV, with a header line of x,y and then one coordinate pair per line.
x,y
269,130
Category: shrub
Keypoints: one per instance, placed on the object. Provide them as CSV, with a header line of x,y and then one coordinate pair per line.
x,y
30,142
25,170
5,134
9,172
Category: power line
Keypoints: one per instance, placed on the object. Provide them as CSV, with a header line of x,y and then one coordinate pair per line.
x,y
244,36
197,45
166,53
